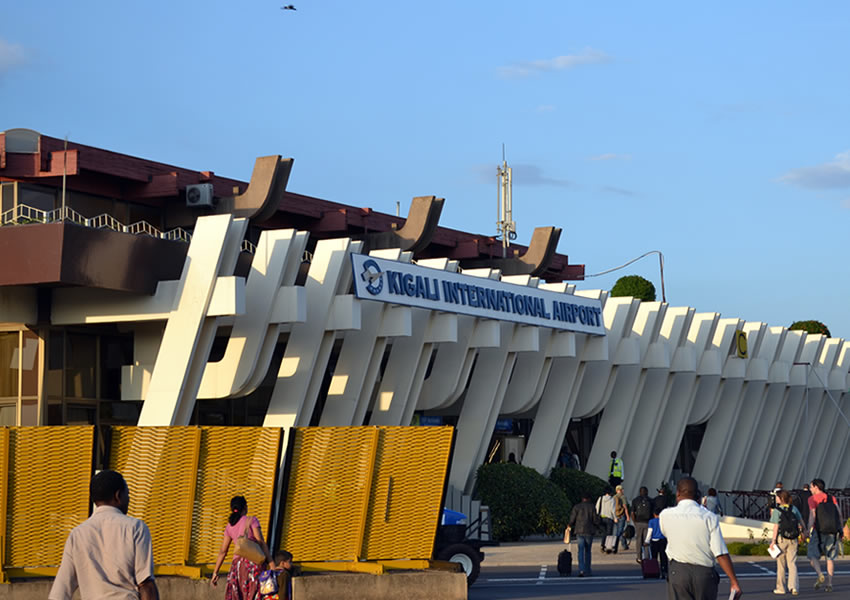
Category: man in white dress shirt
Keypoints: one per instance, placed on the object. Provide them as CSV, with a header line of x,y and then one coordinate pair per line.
x,y
109,555
694,543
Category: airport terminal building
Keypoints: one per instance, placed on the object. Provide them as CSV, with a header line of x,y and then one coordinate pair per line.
x,y
134,292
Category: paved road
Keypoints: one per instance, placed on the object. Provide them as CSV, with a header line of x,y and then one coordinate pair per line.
x,y
619,575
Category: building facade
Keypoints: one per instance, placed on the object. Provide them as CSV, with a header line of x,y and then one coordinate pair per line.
x,y
134,292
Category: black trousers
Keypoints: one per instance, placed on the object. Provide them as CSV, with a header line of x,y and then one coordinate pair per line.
x,y
691,582
657,549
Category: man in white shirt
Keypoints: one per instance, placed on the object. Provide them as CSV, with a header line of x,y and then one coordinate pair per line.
x,y
109,555
694,543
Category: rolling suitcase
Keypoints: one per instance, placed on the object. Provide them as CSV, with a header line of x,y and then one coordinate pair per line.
x,y
649,566
565,563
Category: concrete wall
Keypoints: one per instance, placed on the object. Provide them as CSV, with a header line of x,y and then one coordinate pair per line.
x,y
419,585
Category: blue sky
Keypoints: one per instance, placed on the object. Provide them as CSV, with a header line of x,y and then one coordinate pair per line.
x,y
718,134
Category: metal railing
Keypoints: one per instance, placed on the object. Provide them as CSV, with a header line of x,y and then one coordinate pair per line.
x,y
25,215
757,504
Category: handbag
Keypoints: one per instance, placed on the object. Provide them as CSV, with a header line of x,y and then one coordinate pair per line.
x,y
246,547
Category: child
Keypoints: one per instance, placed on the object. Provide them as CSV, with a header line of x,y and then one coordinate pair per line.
x,y
658,544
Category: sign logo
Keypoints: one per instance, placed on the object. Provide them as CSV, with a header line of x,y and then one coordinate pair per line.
x,y
371,275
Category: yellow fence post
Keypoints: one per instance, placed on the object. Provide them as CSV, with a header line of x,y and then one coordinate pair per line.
x,y
48,495
159,464
232,461
4,492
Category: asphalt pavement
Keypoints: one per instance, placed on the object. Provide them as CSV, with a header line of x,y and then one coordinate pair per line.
x,y
526,570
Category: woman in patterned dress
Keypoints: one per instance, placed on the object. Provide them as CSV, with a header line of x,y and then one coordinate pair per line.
x,y
243,580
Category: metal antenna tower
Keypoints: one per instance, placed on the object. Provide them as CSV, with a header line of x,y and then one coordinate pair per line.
x,y
505,226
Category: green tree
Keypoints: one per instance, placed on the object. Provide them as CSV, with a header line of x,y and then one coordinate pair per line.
x,y
811,327
634,286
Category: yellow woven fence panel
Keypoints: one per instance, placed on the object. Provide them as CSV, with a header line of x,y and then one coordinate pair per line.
x,y
159,464
405,503
48,491
4,489
327,495
234,461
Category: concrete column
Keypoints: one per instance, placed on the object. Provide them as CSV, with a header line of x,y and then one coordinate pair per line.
x,y
798,465
409,358
833,422
727,405
623,406
823,419
762,349
453,361
683,386
308,347
645,429
275,265
481,406
772,408
840,474
555,408
171,383
835,456
485,394
598,377
378,321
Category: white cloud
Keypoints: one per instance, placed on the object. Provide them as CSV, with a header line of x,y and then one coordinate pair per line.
x,y
533,175
611,189
830,175
588,56
545,108
612,156
11,56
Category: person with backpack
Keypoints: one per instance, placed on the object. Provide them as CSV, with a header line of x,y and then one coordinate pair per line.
x,y
825,526
641,514
787,527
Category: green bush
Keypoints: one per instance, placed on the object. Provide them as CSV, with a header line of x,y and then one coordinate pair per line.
x,y
747,549
760,549
634,286
573,483
522,502
811,327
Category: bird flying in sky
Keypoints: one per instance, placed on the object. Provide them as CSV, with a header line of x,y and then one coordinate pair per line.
x,y
288,7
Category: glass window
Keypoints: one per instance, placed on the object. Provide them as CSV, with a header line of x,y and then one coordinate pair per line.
x,y
80,362
55,365
80,414
9,364
29,373
7,415
39,197
115,352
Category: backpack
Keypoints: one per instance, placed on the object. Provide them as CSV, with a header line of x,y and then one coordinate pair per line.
x,y
789,527
827,519
643,509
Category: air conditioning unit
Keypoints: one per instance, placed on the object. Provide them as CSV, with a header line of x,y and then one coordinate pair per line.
x,y
200,195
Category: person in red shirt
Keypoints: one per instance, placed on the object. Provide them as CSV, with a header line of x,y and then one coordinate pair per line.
x,y
821,544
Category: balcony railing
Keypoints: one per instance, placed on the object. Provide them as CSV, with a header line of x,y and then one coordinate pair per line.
x,y
25,215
